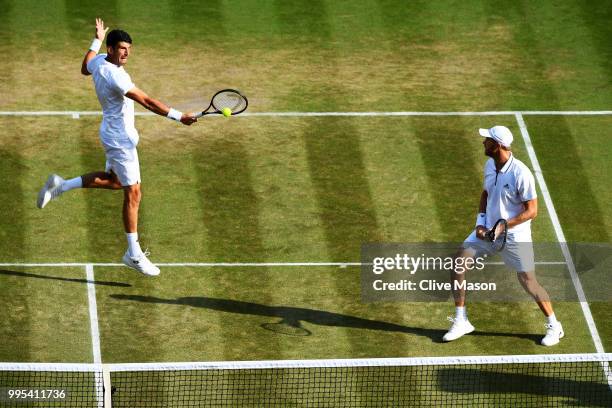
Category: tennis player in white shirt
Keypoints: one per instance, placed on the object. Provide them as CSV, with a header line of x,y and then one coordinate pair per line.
x,y
116,93
509,192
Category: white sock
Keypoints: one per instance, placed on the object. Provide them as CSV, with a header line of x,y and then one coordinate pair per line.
x,y
460,313
552,319
71,184
133,245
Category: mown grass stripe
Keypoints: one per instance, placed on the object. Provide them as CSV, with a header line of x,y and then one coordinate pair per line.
x,y
560,236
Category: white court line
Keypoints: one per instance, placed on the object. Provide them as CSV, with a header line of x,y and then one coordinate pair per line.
x,y
227,264
586,310
78,114
93,314
95,332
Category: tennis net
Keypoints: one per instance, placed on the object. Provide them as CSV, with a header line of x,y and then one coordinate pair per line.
x,y
536,380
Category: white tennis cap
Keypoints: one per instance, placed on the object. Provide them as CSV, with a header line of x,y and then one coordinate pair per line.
x,y
500,134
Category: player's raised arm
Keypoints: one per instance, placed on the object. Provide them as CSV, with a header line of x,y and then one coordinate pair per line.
x,y
94,48
159,107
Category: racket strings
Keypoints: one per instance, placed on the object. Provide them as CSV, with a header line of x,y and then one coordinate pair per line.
x,y
499,232
232,100
498,235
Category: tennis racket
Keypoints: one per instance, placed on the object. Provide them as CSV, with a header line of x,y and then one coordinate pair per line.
x,y
226,98
498,234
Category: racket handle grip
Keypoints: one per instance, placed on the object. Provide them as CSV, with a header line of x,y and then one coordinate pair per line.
x,y
198,115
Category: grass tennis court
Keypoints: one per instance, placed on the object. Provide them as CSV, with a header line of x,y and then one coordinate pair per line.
x,y
239,200
282,189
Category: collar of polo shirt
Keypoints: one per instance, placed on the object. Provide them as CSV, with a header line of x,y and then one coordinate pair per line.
x,y
507,164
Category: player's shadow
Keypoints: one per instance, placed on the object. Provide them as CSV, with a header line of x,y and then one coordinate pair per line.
x,y
575,391
288,315
292,317
60,278
536,338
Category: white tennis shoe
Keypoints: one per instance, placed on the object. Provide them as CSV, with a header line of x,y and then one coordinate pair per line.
x,y
554,333
140,263
50,191
459,328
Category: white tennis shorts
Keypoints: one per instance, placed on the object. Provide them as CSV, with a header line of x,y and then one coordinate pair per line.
x,y
124,163
517,253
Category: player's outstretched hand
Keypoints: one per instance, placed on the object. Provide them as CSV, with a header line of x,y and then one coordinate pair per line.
x,y
100,30
188,119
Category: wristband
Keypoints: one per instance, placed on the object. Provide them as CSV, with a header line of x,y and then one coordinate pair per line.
x,y
95,45
174,114
481,219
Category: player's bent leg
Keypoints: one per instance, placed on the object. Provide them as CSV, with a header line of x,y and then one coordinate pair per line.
x,y
101,179
554,329
56,185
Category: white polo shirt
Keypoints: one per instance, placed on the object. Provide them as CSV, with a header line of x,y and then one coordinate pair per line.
x,y
112,83
507,190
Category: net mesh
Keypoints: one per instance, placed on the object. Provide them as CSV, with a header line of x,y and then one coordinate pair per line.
x,y
40,388
229,99
517,381
528,385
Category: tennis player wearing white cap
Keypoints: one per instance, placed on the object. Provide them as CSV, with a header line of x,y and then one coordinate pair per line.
x,y
509,192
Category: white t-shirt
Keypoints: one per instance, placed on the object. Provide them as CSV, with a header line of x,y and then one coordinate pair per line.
x,y
507,190
112,83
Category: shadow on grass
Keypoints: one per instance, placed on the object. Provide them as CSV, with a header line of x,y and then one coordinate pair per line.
x,y
536,338
293,316
289,315
58,278
590,391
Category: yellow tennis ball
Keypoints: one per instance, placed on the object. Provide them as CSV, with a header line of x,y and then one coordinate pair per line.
x,y
227,112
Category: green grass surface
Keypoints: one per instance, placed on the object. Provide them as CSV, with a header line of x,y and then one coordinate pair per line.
x,y
289,189
44,316
272,190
